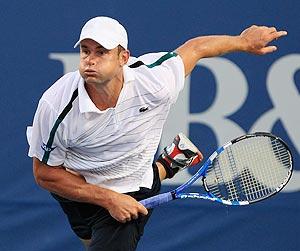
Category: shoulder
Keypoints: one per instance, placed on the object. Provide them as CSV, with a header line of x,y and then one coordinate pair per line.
x,y
161,66
161,72
154,59
67,82
60,93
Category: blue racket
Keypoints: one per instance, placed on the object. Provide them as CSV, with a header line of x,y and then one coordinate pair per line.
x,y
245,170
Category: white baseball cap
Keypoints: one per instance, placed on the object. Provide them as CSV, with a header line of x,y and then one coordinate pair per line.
x,y
105,31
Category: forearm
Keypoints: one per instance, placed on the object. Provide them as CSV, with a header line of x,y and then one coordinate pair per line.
x,y
211,46
208,46
70,186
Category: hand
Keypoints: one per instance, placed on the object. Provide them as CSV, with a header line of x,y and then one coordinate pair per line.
x,y
257,39
124,208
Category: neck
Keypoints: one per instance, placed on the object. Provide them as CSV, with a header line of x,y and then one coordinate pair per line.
x,y
105,95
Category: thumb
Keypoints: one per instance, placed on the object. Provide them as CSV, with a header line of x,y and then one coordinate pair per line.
x,y
142,209
268,49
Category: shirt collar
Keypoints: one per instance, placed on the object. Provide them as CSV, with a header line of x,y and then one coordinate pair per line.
x,y
128,74
86,104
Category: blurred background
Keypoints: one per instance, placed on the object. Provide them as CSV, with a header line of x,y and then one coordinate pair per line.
x,y
224,97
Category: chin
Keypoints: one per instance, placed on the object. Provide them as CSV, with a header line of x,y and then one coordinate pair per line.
x,y
92,81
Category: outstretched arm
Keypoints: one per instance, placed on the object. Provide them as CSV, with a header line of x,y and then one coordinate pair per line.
x,y
254,39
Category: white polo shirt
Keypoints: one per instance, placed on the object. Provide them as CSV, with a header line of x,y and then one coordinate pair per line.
x,y
113,148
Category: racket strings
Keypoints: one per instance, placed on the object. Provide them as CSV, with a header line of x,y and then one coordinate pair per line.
x,y
233,188
251,169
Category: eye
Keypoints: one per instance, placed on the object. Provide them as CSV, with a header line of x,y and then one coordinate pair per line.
x,y
84,52
102,51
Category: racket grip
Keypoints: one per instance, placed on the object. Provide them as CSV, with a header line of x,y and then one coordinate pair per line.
x,y
157,200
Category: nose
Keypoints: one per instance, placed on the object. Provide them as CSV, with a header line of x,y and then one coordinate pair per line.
x,y
90,59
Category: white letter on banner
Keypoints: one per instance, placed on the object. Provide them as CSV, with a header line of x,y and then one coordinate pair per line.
x,y
232,91
286,102
70,61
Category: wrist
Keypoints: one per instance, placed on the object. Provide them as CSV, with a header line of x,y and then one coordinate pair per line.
x,y
105,197
242,43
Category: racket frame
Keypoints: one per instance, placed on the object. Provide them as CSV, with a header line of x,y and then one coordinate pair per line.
x,y
179,194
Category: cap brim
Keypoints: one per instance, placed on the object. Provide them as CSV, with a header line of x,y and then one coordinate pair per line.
x,y
77,43
105,44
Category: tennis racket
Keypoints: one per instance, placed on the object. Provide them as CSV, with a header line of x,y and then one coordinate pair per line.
x,y
245,170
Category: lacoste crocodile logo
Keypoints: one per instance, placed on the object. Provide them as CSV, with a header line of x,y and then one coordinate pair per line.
x,y
144,108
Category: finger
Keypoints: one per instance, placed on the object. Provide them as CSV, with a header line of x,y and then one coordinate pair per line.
x,y
278,34
272,29
122,220
125,219
267,50
282,33
142,209
135,216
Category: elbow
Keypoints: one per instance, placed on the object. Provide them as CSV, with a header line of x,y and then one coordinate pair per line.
x,y
199,47
39,173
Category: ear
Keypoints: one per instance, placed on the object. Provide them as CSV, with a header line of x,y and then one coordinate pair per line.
x,y
123,57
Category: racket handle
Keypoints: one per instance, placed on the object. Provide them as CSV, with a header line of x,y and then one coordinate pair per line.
x,y
157,200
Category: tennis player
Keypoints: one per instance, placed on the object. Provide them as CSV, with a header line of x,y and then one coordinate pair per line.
x,y
96,130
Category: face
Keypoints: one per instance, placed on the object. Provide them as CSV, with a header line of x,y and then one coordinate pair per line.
x,y
99,65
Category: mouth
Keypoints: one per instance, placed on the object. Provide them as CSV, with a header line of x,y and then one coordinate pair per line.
x,y
90,72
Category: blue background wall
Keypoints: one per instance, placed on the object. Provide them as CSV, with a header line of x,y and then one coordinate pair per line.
x,y
31,30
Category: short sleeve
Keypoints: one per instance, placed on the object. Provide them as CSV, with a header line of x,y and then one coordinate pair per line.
x,y
174,77
41,133
169,69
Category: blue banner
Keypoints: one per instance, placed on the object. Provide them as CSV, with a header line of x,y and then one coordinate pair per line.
x,y
223,98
